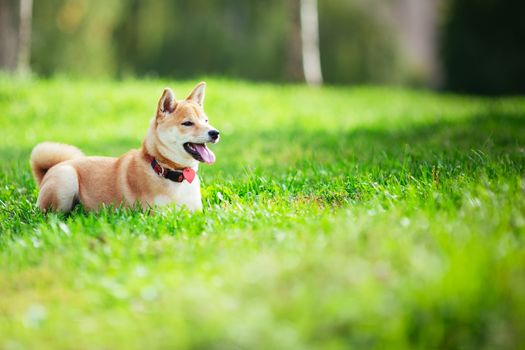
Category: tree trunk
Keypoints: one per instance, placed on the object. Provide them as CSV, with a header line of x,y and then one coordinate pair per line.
x,y
294,71
418,23
24,38
8,34
15,35
310,42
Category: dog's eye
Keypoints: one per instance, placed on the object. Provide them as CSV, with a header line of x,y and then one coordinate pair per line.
x,y
188,123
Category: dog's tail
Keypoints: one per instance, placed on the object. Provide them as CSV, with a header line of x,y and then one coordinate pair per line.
x,y
47,154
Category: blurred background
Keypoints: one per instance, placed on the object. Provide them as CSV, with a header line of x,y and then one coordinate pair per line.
x,y
469,46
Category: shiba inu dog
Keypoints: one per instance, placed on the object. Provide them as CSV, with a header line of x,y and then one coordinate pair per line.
x,y
162,171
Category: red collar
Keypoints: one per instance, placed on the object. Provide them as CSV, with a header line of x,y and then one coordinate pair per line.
x,y
187,174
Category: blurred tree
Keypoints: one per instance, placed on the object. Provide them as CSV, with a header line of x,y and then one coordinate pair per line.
x,y
251,39
418,25
8,34
15,35
310,42
484,46
192,37
294,60
75,37
359,42
24,41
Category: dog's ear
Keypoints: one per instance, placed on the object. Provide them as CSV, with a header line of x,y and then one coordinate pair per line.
x,y
167,103
197,95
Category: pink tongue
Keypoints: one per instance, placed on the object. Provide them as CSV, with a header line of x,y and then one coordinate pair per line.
x,y
205,153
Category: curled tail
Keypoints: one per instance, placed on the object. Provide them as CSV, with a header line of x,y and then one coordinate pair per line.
x,y
47,154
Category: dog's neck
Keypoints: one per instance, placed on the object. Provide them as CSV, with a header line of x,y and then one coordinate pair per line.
x,y
153,147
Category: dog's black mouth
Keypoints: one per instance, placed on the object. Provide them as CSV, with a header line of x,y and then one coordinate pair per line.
x,y
200,152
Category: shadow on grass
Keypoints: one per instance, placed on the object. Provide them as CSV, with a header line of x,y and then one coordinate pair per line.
x,y
469,141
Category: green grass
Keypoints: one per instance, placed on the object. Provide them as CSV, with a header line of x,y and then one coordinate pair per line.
x,y
366,218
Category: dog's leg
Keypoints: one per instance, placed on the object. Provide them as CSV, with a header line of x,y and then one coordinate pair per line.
x,y
59,189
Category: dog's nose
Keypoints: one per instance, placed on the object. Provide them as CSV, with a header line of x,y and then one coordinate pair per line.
x,y
214,134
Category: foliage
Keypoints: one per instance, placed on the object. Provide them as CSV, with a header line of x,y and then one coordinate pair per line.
x,y
359,43
183,38
334,218
75,37
484,46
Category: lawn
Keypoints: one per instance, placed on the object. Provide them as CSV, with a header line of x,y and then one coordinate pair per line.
x,y
366,218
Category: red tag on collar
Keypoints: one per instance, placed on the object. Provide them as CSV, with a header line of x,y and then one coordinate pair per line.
x,y
189,174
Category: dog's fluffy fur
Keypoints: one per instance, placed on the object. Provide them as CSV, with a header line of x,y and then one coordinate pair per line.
x,y
176,139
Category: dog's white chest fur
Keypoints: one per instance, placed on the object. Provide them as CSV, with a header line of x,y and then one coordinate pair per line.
x,y
182,194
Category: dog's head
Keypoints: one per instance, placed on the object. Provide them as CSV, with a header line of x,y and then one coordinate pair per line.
x,y
183,127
